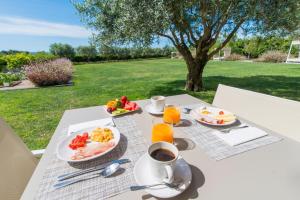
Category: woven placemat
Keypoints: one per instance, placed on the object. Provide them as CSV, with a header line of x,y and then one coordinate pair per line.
x,y
132,145
215,147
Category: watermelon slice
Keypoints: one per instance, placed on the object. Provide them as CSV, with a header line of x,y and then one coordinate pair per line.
x,y
131,106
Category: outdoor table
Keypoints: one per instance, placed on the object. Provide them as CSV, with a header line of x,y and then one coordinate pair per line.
x,y
268,172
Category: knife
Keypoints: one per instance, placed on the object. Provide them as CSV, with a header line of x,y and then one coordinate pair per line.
x,y
85,171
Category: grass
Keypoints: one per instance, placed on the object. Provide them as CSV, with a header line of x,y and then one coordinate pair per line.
x,y
35,113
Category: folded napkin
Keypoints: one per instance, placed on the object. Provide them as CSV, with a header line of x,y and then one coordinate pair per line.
x,y
239,136
89,124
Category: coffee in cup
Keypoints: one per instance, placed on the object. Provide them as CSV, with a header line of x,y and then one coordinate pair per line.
x,y
162,155
162,158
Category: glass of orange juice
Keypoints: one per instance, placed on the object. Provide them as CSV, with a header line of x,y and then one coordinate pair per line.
x,y
162,131
172,114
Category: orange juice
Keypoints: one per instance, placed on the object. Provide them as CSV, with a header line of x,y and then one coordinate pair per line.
x,y
162,132
171,115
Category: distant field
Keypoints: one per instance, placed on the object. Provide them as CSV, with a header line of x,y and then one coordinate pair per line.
x,y
35,113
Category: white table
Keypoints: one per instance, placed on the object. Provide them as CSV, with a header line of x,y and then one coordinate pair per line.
x,y
269,172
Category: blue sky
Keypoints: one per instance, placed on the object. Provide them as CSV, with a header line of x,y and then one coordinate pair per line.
x,y
33,25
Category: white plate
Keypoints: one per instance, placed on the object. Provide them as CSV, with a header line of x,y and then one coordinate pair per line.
x,y
113,115
64,152
149,109
143,177
195,113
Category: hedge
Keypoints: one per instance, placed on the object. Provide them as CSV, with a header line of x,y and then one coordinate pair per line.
x,y
14,62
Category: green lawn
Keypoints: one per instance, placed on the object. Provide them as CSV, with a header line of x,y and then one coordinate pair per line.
x,y
35,113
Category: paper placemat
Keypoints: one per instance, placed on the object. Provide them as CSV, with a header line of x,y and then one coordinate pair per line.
x,y
132,145
215,147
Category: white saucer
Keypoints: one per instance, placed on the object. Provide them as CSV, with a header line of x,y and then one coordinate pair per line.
x,y
149,109
143,177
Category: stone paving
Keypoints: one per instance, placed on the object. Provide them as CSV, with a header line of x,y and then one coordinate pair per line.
x,y
25,84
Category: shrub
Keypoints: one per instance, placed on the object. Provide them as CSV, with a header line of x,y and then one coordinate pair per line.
x,y
234,57
273,56
9,77
3,78
53,72
2,63
17,61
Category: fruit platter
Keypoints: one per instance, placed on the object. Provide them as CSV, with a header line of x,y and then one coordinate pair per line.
x,y
213,116
121,106
88,144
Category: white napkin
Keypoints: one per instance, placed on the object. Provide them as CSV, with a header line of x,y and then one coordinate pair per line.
x,y
89,124
239,136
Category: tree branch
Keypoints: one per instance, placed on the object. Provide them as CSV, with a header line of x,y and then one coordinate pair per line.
x,y
203,12
175,37
222,20
190,31
202,42
189,40
227,39
169,37
181,37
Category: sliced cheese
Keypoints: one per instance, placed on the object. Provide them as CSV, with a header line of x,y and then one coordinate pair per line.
x,y
226,118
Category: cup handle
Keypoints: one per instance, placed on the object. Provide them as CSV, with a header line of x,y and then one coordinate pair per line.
x,y
170,174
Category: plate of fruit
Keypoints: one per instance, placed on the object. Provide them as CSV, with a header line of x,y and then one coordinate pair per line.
x,y
88,144
121,106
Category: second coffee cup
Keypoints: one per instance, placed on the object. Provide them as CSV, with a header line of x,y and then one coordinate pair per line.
x,y
158,103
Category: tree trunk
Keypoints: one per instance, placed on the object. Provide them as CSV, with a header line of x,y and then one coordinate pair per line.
x,y
195,66
194,80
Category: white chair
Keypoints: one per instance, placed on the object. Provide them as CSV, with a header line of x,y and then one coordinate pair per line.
x,y
293,60
277,114
17,164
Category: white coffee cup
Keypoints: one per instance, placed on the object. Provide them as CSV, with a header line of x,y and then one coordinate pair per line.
x,y
162,171
158,103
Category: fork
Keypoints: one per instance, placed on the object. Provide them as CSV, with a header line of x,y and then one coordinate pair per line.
x,y
233,128
112,124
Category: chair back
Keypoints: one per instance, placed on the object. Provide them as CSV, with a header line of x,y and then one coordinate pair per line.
x,y
277,114
16,166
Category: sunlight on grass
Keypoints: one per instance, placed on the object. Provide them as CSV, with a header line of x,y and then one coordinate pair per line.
x,y
35,113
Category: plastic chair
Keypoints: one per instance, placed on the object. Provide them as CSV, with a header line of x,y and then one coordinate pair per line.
x,y
277,114
17,164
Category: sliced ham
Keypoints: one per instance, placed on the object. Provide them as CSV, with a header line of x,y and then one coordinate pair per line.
x,y
91,150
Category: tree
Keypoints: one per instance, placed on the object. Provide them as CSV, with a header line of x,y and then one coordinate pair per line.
x,y
62,50
254,47
237,46
187,23
88,51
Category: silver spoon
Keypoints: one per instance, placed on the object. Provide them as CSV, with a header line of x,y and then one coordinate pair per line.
x,y
187,110
107,171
